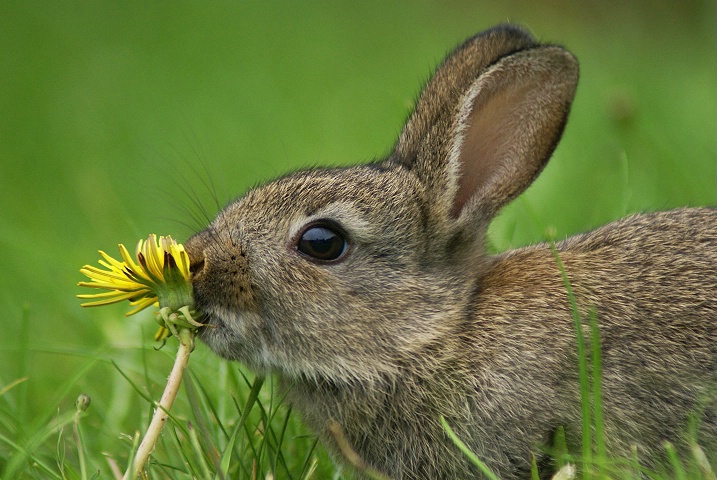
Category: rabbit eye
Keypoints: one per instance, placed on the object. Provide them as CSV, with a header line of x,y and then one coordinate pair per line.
x,y
323,242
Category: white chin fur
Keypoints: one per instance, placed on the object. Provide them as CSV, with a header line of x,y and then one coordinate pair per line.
x,y
228,334
236,336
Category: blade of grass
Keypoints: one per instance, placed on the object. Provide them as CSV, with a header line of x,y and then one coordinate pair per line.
x,y
677,467
12,385
634,462
226,458
598,419
534,474
467,452
585,394
274,407
259,450
133,450
251,399
147,398
344,446
560,448
306,469
27,454
702,461
60,452
198,451
199,419
179,446
36,439
132,384
23,362
248,405
216,413
279,457
246,443
223,386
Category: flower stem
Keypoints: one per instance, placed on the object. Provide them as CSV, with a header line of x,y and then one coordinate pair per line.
x,y
83,401
186,345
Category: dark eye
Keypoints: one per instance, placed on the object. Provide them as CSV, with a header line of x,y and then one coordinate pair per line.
x,y
322,241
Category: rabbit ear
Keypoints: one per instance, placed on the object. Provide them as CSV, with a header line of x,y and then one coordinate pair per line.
x,y
488,121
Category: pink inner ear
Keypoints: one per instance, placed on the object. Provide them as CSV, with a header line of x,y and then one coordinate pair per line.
x,y
492,145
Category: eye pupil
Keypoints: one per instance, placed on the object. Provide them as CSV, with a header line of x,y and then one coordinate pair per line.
x,y
322,242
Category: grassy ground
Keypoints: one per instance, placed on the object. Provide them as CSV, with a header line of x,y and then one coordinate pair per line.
x,y
122,119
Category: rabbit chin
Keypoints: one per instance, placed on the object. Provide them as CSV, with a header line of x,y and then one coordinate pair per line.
x,y
239,336
230,335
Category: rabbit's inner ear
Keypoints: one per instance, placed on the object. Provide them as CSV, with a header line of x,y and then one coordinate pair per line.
x,y
488,139
509,123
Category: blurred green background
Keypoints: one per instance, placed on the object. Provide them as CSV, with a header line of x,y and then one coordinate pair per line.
x,y
119,119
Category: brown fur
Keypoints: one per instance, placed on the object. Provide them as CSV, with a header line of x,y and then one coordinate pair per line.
x,y
416,321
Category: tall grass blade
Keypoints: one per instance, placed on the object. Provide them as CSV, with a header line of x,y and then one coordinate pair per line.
x,y
245,411
534,474
585,394
200,421
467,452
560,448
309,466
674,459
198,452
279,457
29,456
598,419
12,385
702,461
226,458
23,363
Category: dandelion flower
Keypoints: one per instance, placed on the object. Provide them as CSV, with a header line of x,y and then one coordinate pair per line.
x,y
159,277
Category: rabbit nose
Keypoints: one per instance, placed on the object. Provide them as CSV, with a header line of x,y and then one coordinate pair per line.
x,y
196,266
197,259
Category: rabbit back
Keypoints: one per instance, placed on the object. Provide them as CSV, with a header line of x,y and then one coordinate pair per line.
x,y
650,281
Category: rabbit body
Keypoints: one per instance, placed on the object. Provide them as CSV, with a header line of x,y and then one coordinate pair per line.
x,y
368,291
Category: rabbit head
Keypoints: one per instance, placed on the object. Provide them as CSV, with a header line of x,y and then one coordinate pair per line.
x,y
345,273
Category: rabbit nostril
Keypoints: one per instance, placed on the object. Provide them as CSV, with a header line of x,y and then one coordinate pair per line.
x,y
196,266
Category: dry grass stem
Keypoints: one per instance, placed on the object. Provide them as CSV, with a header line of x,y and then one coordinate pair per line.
x,y
337,432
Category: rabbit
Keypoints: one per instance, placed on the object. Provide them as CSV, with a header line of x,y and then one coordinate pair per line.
x,y
369,292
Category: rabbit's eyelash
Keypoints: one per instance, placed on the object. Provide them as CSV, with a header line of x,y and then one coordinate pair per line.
x,y
345,214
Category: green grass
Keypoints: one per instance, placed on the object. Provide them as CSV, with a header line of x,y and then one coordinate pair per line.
x,y
122,119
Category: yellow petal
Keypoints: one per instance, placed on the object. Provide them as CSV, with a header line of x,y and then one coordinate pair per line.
x,y
155,257
136,269
141,305
114,293
115,263
105,301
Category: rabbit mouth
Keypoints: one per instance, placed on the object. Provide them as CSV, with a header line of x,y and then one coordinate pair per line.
x,y
217,333
210,324
230,335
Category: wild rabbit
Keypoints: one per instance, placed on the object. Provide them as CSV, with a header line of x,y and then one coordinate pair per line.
x,y
369,292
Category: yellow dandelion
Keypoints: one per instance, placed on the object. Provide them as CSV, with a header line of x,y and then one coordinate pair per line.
x,y
159,277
